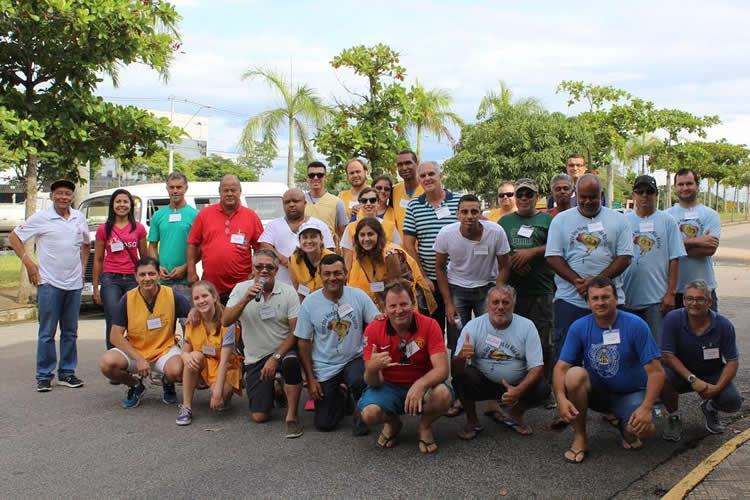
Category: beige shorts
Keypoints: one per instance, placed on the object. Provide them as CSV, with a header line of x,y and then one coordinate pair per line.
x,y
156,366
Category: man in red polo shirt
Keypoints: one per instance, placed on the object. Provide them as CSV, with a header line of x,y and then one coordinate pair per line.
x,y
406,366
223,237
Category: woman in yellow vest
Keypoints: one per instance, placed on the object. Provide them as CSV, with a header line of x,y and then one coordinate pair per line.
x,y
303,263
377,262
208,354
384,187
368,207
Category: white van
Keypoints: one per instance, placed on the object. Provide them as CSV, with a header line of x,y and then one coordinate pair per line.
x,y
263,197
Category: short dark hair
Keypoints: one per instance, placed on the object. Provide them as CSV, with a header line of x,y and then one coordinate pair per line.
x,y
317,164
177,176
331,259
147,261
469,198
409,152
575,155
686,171
603,282
398,286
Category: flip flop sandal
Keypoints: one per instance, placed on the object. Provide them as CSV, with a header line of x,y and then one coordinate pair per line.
x,y
522,429
454,411
612,420
384,441
633,443
496,415
426,449
576,453
469,434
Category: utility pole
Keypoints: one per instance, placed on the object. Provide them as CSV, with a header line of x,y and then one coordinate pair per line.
x,y
171,147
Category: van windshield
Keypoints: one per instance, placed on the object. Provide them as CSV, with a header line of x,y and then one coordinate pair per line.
x,y
267,207
95,210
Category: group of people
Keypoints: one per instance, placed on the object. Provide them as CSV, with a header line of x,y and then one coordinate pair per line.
x,y
401,299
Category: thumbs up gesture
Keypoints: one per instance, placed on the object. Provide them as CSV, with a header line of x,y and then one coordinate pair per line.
x,y
467,350
381,360
511,394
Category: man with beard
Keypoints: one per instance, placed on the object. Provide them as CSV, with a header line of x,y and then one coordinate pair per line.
x,y
410,188
701,229
356,173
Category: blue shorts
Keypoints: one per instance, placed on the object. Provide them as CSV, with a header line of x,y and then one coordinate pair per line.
x,y
622,405
389,397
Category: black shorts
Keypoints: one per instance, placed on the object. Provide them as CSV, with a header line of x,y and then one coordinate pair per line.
x,y
472,385
260,393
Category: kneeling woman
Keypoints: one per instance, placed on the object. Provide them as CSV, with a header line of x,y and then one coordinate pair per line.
x,y
208,354
304,262
376,262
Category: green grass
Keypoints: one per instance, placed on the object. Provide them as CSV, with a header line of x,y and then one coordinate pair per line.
x,y
10,268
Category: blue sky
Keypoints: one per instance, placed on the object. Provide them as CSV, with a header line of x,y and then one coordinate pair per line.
x,y
688,55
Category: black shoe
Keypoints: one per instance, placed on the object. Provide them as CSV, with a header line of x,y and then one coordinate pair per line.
x,y
70,381
169,394
43,385
359,428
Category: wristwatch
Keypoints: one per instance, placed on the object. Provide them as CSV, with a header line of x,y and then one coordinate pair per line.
x,y
276,356
691,378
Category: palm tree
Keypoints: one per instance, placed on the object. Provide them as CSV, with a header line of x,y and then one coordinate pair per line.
x,y
639,147
301,107
430,112
492,102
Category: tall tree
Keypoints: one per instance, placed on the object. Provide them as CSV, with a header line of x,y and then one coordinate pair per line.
x,y
299,108
724,158
429,111
213,168
640,147
53,55
373,125
494,102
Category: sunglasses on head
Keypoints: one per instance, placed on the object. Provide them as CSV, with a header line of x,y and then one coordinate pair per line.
x,y
315,175
506,194
370,201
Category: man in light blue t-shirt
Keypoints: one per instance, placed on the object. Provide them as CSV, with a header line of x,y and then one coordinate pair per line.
x,y
585,242
500,359
167,236
650,282
329,332
701,229
609,363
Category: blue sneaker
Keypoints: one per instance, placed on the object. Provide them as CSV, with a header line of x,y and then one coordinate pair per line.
x,y
169,394
135,394
185,416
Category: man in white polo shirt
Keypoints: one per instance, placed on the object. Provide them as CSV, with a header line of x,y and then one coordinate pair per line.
x,y
62,248
281,235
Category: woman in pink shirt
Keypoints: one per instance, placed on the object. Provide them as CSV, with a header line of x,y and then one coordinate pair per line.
x,y
120,242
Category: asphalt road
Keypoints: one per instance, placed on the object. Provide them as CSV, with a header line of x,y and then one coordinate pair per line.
x,y
79,442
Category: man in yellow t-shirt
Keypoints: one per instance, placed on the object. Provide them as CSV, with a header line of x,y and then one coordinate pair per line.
x,y
356,173
320,203
148,314
404,192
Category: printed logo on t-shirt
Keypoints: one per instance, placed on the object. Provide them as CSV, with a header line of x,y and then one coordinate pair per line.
x,y
503,352
690,228
340,327
604,359
590,241
645,242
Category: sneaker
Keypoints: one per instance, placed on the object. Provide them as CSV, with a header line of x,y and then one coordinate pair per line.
x,y
70,381
169,394
713,423
673,432
293,430
43,385
359,428
185,416
134,396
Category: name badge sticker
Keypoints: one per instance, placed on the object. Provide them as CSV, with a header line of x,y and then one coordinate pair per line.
x,y
175,217
711,353
691,215
443,212
303,290
646,227
237,239
403,203
377,286
117,246
492,341
526,231
596,226
411,348
153,322
611,337
208,350
481,250
345,309
267,312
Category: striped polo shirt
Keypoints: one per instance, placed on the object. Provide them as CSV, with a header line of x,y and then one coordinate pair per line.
x,y
422,222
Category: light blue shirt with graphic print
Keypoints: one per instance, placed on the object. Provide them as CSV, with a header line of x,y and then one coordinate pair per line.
x,y
588,245
656,241
335,329
503,354
693,222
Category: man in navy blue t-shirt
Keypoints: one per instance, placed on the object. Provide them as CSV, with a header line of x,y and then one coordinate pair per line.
x,y
609,363
700,354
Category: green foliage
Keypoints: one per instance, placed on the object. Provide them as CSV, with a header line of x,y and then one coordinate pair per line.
x,y
18,137
429,111
213,168
493,102
156,165
373,126
257,156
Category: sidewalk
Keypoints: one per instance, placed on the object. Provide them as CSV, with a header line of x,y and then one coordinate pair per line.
x,y
11,311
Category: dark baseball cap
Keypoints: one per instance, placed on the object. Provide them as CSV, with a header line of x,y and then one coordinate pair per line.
x,y
527,184
645,180
62,183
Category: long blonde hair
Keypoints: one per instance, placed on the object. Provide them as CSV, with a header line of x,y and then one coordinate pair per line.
x,y
218,308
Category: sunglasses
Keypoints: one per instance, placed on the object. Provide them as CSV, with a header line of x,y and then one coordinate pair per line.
x,y
525,195
315,175
382,188
371,201
266,267
509,194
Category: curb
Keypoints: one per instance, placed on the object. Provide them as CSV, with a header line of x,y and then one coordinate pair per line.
x,y
24,313
703,469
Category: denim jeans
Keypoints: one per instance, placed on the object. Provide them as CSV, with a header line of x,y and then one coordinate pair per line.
x,y
466,301
114,287
653,317
57,306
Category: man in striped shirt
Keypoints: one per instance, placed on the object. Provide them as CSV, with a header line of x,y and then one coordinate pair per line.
x,y
425,216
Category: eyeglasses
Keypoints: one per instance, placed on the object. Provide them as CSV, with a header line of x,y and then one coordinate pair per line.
x,y
695,300
506,194
315,175
266,267
370,201
525,194
382,188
